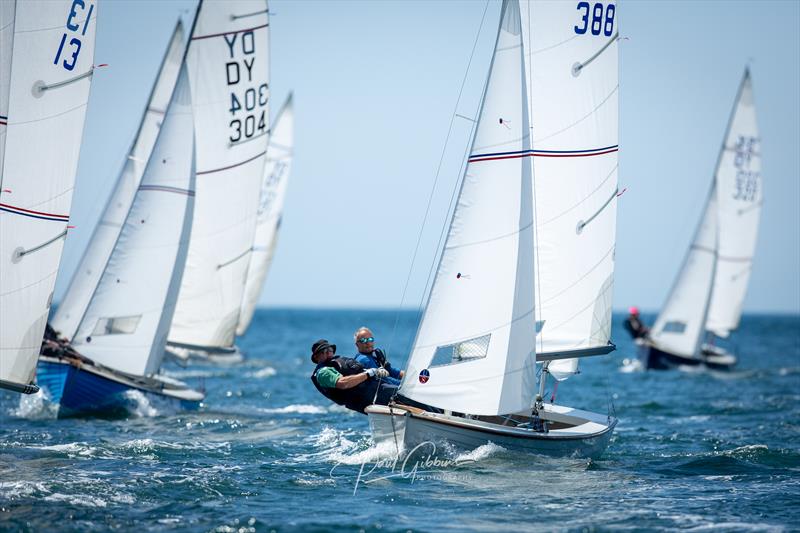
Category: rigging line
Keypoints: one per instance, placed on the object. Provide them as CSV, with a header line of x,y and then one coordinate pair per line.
x,y
577,67
538,284
436,178
21,253
583,223
43,87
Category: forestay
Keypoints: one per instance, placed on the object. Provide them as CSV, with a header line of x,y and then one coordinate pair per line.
x,y
740,196
270,209
228,72
572,66
46,67
680,325
474,349
84,281
126,323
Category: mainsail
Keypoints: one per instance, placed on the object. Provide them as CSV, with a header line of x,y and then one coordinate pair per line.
x,y
474,351
228,72
273,192
740,196
681,323
46,66
572,63
86,277
126,323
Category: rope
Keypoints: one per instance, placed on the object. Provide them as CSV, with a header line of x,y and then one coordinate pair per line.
x,y
436,181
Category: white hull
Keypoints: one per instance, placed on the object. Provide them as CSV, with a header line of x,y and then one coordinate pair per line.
x,y
571,432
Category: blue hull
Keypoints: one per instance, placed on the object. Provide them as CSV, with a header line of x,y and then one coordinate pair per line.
x,y
80,392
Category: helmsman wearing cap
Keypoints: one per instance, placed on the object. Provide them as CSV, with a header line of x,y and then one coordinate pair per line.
x,y
344,381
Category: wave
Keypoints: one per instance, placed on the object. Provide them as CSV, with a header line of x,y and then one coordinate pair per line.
x,y
483,451
738,461
265,372
296,408
35,406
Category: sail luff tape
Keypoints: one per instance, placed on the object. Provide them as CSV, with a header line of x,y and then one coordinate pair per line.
x,y
582,224
19,253
577,67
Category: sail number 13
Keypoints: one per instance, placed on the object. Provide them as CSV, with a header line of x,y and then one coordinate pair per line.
x,y
596,18
74,31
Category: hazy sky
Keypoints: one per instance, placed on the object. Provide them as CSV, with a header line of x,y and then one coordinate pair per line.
x,y
375,86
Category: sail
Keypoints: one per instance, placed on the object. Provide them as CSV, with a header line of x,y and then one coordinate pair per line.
x,y
740,196
76,299
572,63
125,326
273,191
44,106
474,351
228,73
7,10
680,325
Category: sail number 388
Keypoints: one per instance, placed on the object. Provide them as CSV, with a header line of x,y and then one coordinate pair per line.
x,y
596,18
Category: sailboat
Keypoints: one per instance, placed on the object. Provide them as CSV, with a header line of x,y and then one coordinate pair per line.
x,y
526,272
705,302
228,72
270,209
46,68
120,340
84,281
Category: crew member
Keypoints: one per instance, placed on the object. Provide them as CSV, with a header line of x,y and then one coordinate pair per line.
x,y
634,324
370,357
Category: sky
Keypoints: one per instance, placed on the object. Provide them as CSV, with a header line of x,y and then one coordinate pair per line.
x,y
376,85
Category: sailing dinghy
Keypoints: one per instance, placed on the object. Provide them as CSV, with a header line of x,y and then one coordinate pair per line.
x,y
46,67
120,340
526,272
228,62
705,302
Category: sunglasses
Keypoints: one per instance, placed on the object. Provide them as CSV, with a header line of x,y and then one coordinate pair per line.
x,y
365,340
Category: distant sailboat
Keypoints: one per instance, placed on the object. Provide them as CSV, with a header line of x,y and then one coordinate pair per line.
x,y
46,66
706,300
533,232
270,209
228,73
123,332
84,281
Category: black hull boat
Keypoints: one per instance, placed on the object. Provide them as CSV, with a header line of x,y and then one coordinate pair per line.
x,y
711,357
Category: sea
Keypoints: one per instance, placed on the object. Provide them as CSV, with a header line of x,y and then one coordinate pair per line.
x,y
694,450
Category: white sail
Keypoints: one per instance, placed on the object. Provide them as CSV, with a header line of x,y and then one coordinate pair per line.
x,y
573,66
76,299
228,73
125,326
740,196
474,351
273,192
680,325
7,10
46,91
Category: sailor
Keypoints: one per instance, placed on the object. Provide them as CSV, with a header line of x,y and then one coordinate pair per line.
x,y
634,324
344,381
370,357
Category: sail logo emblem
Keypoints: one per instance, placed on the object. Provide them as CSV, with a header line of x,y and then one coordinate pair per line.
x,y
424,376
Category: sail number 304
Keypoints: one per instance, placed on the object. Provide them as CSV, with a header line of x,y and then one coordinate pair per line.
x,y
746,179
248,105
596,18
74,32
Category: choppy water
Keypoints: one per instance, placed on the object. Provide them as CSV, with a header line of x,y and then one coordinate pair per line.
x,y
693,450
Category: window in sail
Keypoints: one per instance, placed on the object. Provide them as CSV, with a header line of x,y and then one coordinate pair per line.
x,y
674,327
461,352
117,325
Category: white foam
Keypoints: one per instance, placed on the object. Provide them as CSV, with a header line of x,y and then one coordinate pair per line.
x,y
72,449
77,499
263,373
36,406
481,452
297,408
631,365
